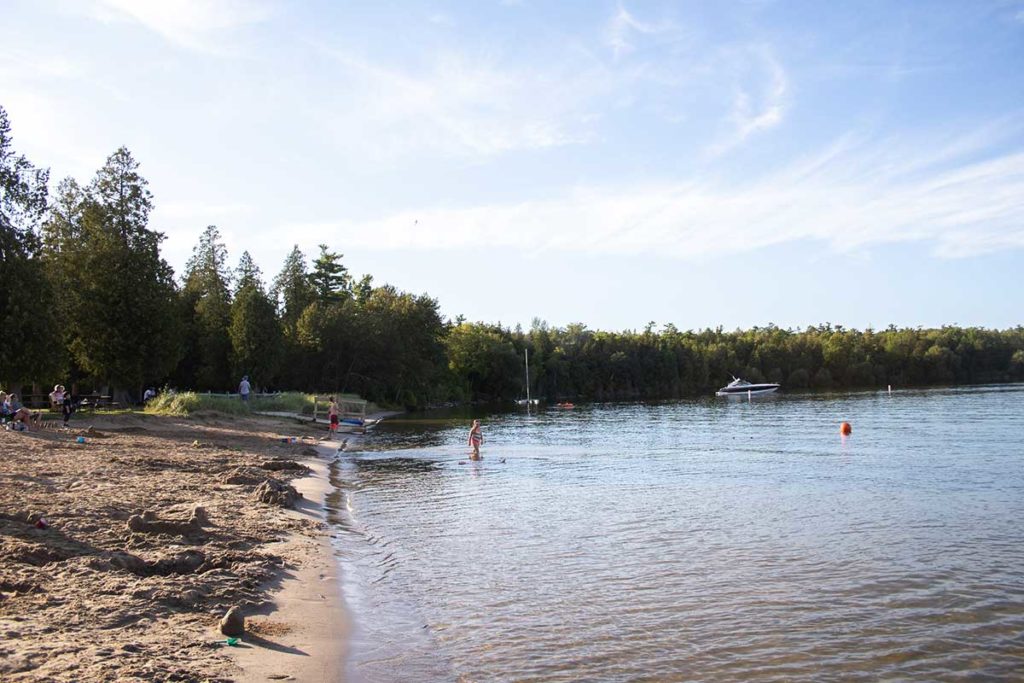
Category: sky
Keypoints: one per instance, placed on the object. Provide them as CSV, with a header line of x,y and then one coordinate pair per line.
x,y
611,163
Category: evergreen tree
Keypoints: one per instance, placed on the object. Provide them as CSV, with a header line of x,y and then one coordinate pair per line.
x,y
292,289
256,337
63,258
31,348
330,279
248,273
206,300
255,334
124,327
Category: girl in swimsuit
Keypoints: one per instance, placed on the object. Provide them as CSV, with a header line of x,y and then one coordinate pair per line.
x,y
476,438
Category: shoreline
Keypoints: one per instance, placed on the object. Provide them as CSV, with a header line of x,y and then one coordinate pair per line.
x,y
154,527
307,609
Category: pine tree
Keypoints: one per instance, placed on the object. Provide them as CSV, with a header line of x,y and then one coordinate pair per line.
x,y
125,327
248,273
255,332
206,300
292,289
30,349
63,259
330,279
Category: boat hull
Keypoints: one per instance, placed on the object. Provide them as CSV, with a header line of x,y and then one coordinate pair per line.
x,y
743,392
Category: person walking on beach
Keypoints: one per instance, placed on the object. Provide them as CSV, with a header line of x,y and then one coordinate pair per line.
x,y
243,388
476,439
332,416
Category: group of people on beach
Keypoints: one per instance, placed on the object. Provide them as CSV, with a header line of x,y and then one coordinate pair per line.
x,y
15,415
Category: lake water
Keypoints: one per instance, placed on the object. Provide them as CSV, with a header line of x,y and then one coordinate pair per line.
x,y
708,540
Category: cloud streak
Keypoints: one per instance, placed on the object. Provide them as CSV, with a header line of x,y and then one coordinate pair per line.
x,y
962,199
757,106
624,27
193,24
457,105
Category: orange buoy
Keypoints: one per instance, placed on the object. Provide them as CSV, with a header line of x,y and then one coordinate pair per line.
x,y
845,429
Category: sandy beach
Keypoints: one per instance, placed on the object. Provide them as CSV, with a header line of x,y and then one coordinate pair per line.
x,y
120,555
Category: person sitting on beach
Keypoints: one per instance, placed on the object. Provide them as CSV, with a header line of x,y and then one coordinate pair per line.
x,y
57,396
476,439
332,415
19,413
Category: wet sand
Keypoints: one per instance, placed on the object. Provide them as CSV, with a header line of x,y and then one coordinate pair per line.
x,y
154,531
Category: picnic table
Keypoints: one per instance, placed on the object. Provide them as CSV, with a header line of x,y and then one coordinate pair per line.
x,y
93,401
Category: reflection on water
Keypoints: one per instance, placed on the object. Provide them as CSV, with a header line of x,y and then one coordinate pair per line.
x,y
702,540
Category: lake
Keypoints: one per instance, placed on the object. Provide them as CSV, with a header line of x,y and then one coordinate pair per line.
x,y
718,540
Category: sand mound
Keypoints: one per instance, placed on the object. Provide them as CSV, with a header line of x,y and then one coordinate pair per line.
x,y
148,542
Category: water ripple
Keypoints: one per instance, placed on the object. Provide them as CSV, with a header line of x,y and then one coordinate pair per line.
x,y
702,540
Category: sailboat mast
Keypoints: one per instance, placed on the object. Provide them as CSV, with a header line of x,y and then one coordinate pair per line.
x,y
526,353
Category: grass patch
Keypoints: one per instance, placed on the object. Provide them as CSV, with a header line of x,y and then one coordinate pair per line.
x,y
187,402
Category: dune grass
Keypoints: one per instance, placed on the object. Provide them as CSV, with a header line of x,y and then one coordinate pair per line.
x,y
187,402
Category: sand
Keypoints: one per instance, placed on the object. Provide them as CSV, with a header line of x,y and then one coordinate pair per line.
x,y
154,532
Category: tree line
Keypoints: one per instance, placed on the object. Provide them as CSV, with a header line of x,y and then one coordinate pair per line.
x,y
87,298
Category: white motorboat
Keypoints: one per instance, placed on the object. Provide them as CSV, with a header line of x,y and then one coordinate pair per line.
x,y
741,387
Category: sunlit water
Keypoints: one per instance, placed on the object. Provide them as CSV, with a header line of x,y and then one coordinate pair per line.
x,y
706,540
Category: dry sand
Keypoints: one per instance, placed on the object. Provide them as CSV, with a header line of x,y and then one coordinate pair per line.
x,y
108,592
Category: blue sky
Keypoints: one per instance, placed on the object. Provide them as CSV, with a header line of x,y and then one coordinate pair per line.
x,y
612,163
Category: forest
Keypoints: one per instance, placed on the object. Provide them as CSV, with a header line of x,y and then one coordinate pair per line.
x,y
87,299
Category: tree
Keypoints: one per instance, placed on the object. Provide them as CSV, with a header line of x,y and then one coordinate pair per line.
x,y
124,329
330,279
292,289
207,308
248,274
31,346
484,361
255,331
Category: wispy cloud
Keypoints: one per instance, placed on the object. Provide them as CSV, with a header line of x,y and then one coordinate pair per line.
x,y
456,104
759,103
963,199
194,24
624,27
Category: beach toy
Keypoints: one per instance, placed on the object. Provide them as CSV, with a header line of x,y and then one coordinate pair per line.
x,y
845,429
80,439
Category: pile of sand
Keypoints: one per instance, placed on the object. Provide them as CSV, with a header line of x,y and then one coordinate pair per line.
x,y
152,529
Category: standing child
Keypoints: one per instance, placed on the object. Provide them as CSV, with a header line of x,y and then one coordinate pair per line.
x,y
332,415
476,439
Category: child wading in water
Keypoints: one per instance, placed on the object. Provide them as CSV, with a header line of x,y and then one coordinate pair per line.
x,y
476,438
332,414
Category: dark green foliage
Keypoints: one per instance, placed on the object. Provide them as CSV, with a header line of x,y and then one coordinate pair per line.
x,y
247,274
91,298
206,303
116,296
32,348
575,362
121,317
292,290
330,279
255,335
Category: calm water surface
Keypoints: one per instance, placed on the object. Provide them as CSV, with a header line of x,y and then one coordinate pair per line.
x,y
707,540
